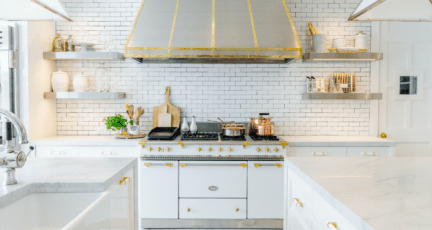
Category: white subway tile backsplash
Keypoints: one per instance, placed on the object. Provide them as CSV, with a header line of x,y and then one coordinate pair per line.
x,y
206,91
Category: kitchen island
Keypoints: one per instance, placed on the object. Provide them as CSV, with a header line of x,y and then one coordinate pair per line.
x,y
359,193
95,183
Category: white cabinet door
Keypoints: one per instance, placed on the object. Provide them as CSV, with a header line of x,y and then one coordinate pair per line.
x,y
317,152
368,151
56,151
107,151
159,189
210,179
212,208
265,189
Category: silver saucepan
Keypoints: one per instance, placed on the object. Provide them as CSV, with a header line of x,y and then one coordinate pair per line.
x,y
232,129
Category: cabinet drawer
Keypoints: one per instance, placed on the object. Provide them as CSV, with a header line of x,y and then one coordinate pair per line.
x,y
56,151
108,151
368,151
265,189
300,201
209,179
317,152
212,208
324,213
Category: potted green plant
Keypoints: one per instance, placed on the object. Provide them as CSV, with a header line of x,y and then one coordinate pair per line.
x,y
116,123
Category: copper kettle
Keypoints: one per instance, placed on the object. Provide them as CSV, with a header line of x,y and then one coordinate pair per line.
x,y
262,126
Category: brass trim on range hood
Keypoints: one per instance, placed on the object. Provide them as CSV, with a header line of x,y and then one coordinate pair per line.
x,y
213,54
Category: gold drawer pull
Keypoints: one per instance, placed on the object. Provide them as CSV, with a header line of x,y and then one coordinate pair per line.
x,y
319,153
147,164
169,164
332,225
243,165
371,154
237,209
183,164
123,181
297,202
257,165
188,209
278,165
213,188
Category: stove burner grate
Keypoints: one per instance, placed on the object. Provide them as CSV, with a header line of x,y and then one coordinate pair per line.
x,y
255,137
200,137
228,138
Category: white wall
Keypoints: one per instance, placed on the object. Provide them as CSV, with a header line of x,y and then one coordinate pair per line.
x,y
206,91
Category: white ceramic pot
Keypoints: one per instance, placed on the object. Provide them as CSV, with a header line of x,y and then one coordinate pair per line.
x,y
133,130
339,43
361,40
60,81
80,83
319,43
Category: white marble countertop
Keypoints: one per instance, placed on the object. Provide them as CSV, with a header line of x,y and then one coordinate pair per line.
x,y
293,141
386,193
97,140
64,175
335,141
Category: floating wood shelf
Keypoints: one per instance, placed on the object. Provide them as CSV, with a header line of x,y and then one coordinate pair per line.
x,y
83,95
83,56
342,57
342,96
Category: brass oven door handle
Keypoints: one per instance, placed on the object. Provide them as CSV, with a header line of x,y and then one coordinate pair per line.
x,y
213,188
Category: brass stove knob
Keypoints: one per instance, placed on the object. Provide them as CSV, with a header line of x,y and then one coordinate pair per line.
x,y
230,149
150,149
276,150
258,150
267,149
220,149
210,149
159,149
168,149
199,149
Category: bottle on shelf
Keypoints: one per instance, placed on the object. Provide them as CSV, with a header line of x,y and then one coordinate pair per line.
x,y
58,44
69,46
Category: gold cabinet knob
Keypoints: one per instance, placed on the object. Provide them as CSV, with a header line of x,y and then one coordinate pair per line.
x,y
332,225
199,149
267,150
169,164
150,149
220,149
209,149
230,149
188,209
276,150
168,149
383,135
237,209
297,202
258,150
159,149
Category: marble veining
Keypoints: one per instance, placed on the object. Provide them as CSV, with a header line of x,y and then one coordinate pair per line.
x,y
65,175
385,193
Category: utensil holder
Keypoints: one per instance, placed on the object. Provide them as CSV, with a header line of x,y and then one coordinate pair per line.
x,y
319,43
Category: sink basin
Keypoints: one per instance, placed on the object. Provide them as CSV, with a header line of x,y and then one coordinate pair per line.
x,y
47,210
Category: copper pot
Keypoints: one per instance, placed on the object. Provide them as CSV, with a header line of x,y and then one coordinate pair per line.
x,y
262,126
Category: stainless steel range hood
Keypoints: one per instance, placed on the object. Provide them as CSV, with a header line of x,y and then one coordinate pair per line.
x,y
393,10
213,31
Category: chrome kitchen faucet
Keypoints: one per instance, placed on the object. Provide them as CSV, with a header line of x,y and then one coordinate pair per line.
x,y
9,159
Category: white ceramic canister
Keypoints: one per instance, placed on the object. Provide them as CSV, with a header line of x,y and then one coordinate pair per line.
x,y
60,81
80,83
361,40
339,43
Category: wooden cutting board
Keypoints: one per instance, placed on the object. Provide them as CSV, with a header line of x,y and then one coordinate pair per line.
x,y
171,109
164,119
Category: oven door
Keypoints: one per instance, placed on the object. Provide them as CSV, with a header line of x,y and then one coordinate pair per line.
x,y
210,179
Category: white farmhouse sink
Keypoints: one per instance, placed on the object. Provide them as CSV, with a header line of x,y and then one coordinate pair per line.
x,y
47,210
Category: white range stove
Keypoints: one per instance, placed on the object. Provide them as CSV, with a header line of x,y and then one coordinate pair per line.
x,y
207,180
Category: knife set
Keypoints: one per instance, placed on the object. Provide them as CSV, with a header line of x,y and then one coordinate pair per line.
x,y
342,83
